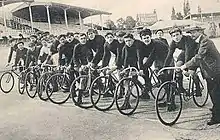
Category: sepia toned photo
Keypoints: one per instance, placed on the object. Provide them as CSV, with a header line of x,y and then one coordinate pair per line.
x,y
110,69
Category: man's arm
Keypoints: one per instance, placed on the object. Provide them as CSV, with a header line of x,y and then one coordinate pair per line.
x,y
10,54
106,56
169,55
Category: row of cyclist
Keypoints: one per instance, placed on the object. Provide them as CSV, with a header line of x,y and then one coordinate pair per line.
x,y
124,77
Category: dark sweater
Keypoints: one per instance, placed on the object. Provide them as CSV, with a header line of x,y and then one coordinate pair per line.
x,y
187,44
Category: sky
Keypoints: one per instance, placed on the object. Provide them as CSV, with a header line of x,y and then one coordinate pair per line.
x,y
123,8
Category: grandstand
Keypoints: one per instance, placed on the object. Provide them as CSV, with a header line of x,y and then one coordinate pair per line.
x,y
27,16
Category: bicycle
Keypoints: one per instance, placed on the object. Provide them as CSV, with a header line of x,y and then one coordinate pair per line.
x,y
31,80
48,71
7,80
58,85
80,88
102,90
170,107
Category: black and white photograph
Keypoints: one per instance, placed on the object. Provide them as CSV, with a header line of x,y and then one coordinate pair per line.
x,y
110,69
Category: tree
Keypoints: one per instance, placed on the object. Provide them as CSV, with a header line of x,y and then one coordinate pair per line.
x,y
173,15
129,22
186,8
199,10
179,16
120,23
110,24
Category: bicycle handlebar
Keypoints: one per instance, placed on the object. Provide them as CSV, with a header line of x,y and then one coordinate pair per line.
x,y
130,69
168,68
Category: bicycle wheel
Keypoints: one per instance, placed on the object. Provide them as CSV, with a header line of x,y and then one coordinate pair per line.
x,y
31,84
201,99
21,82
169,109
7,82
102,93
156,82
57,88
80,91
42,85
127,96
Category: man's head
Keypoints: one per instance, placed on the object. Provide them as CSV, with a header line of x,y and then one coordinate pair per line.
x,y
76,35
129,39
20,45
69,37
159,33
91,34
44,42
195,31
33,38
82,38
120,36
62,39
176,34
145,36
109,37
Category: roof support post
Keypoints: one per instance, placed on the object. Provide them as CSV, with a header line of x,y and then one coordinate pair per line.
x,y
4,17
101,21
31,17
80,20
48,17
65,16
91,20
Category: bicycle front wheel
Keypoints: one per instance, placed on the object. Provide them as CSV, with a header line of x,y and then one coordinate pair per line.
x,y
57,88
127,96
42,85
102,93
169,107
31,84
21,82
80,91
7,82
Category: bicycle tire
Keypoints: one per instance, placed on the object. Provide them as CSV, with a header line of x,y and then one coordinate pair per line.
x,y
1,80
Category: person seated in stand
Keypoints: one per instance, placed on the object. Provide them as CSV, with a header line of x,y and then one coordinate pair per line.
x,y
188,49
153,51
159,33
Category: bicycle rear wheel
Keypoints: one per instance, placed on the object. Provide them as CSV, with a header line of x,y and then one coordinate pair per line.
x,y
127,96
80,91
201,99
170,107
21,82
31,84
57,88
156,82
102,93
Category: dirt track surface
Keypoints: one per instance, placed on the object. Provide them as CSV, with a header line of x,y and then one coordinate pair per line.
x,y
23,118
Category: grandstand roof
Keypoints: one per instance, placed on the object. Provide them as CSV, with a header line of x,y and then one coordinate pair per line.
x,y
72,10
6,2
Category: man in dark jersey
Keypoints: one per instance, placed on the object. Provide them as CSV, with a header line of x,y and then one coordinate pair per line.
x,y
188,49
33,52
112,49
152,51
96,43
